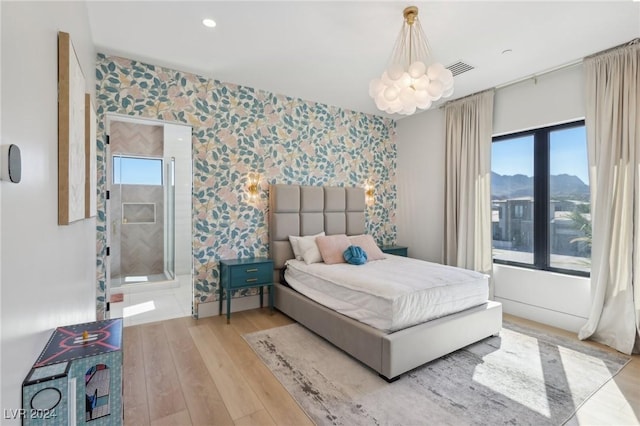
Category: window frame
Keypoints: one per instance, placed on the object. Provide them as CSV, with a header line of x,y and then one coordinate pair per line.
x,y
541,200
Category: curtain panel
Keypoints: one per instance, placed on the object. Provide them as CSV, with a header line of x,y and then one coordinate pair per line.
x,y
613,140
469,124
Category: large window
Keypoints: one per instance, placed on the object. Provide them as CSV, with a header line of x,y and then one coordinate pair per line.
x,y
540,199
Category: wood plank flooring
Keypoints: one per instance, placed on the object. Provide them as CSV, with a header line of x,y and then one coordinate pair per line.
x,y
201,372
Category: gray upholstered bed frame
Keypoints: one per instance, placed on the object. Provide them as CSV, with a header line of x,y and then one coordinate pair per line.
x,y
308,210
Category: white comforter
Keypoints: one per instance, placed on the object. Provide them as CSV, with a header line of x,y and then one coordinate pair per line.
x,y
390,294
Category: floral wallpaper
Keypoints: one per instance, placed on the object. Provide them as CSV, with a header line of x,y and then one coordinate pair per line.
x,y
236,131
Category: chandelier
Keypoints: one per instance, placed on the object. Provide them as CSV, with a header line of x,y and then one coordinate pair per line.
x,y
410,82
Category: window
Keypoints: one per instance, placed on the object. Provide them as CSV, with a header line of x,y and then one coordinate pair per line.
x,y
137,170
540,199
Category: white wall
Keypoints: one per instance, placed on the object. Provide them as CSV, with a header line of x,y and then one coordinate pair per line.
x,y
550,99
555,299
420,180
48,272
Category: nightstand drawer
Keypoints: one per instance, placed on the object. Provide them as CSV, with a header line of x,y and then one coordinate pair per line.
x,y
258,273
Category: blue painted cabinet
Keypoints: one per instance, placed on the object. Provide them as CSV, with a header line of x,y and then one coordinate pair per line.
x,y
245,273
396,250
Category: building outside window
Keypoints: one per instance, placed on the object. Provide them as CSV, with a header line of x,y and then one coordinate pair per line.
x,y
541,214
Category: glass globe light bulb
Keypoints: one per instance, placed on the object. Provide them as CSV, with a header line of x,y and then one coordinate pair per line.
x,y
391,93
434,71
417,69
435,90
395,71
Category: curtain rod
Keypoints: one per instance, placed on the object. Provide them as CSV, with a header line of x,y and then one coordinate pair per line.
x,y
567,65
519,80
564,66
611,49
465,97
540,74
545,72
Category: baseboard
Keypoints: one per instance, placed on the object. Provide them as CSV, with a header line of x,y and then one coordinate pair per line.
x,y
545,316
145,286
210,309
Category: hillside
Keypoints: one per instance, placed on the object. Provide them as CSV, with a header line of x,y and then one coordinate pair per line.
x,y
562,186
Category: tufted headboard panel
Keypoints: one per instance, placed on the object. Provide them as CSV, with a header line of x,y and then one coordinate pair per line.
x,y
308,210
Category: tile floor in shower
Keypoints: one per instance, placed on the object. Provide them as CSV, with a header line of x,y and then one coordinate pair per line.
x,y
153,302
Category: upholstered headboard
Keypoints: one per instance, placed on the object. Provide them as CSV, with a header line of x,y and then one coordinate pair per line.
x,y
308,210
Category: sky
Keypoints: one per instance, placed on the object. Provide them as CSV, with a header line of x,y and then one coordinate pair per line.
x,y
139,171
568,154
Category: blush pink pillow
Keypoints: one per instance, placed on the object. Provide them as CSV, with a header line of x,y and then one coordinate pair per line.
x,y
367,244
332,248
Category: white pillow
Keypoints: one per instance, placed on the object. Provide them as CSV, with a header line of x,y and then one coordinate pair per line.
x,y
294,240
310,251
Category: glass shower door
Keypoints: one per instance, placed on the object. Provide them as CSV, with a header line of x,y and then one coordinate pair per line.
x,y
140,252
170,219
115,221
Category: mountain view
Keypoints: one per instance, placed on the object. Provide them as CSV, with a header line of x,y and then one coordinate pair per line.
x,y
563,186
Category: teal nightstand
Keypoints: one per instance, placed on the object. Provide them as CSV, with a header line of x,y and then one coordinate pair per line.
x,y
245,273
396,250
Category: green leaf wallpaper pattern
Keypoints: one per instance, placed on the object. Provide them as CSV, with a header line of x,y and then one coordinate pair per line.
x,y
236,131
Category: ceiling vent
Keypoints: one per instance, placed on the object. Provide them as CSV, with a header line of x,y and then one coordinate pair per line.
x,y
459,68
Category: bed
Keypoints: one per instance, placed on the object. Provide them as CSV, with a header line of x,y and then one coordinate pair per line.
x,y
309,210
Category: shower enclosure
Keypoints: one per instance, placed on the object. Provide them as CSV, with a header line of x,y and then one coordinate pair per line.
x,y
142,219
141,212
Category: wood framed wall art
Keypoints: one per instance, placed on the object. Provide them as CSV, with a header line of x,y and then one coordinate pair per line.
x,y
71,133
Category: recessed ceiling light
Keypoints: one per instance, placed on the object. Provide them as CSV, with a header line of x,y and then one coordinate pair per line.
x,y
208,22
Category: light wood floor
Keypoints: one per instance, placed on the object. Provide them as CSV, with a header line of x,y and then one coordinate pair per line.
x,y
202,372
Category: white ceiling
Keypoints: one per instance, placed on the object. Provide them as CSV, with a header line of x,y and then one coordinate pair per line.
x,y
329,51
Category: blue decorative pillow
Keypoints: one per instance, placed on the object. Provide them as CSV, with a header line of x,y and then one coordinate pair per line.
x,y
355,255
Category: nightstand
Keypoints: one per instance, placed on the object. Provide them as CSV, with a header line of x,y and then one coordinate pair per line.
x,y
397,250
245,273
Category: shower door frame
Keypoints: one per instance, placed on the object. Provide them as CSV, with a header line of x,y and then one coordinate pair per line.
x,y
109,117
168,253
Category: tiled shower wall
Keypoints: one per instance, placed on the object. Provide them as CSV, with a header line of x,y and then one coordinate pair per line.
x,y
136,248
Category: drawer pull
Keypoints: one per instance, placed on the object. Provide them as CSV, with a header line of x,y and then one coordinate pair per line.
x,y
252,280
252,270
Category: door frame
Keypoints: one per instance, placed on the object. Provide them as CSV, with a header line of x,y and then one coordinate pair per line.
x,y
109,117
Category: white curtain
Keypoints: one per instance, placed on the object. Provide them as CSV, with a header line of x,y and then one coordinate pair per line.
x,y
613,140
467,242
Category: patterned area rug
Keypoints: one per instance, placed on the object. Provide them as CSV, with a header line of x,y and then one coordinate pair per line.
x,y
521,377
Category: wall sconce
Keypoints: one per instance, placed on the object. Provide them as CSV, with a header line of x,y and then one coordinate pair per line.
x,y
369,193
253,186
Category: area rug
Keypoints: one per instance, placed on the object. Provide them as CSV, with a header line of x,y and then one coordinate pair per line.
x,y
521,377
